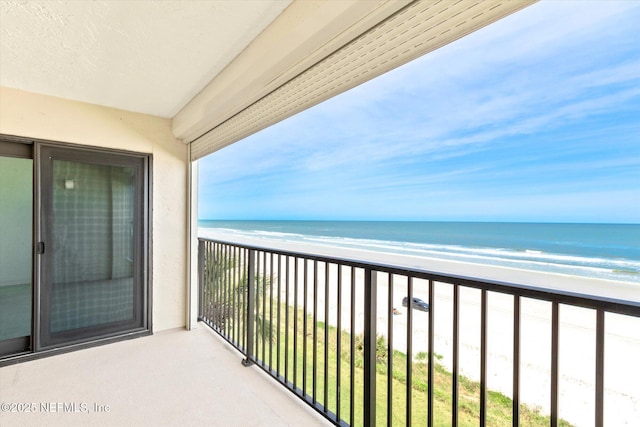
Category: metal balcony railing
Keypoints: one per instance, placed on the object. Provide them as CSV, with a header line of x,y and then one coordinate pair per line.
x,y
327,329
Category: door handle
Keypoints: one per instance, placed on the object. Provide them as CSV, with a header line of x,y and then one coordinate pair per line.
x,y
40,248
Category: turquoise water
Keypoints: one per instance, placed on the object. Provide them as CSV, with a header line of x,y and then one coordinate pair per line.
x,y
607,251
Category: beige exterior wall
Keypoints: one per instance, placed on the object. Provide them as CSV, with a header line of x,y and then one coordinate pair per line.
x,y
45,117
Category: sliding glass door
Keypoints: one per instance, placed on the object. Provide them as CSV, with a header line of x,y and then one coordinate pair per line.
x,y
73,245
16,243
91,245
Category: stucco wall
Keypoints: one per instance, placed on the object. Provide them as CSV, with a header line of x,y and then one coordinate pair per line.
x,y
44,117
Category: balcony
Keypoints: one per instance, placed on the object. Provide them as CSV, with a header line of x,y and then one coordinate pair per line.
x,y
288,315
371,344
172,378
332,332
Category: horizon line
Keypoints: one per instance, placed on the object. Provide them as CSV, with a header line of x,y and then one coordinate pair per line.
x,y
419,220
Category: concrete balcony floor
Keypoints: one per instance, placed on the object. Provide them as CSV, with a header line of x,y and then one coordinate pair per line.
x,y
173,378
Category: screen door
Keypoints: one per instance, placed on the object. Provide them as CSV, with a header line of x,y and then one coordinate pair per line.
x,y
91,245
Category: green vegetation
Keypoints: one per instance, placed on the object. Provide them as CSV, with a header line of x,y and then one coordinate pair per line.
x,y
298,353
499,411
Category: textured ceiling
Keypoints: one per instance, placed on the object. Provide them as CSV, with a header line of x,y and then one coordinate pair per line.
x,y
144,56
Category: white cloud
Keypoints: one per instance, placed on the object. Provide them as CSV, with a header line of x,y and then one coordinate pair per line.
x,y
426,127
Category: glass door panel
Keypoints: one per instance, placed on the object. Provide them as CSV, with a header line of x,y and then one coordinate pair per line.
x,y
92,261
16,243
92,241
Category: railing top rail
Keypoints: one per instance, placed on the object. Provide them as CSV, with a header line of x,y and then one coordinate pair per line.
x,y
613,305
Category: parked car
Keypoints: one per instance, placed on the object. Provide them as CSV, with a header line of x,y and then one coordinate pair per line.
x,y
417,304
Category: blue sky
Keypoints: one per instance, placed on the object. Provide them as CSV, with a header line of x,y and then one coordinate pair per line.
x,y
534,118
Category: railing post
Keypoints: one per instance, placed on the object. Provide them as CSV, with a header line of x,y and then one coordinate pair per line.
x,y
599,367
250,319
370,305
201,244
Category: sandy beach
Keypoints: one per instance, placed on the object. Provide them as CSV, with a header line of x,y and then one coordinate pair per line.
x,y
577,329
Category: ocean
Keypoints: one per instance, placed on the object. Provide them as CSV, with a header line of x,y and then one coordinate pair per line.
x,y
605,251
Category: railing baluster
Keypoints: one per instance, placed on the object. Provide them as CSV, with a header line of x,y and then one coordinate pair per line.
x,y
223,302
483,358
209,283
295,323
236,293
207,279
599,421
304,329
218,285
278,314
202,277
215,286
456,356
221,281
286,319
390,309
226,305
271,312
223,289
240,291
227,281
212,284
232,289
554,363
263,277
430,378
353,348
409,367
370,318
326,336
230,303
232,294
257,335
314,380
339,342
516,361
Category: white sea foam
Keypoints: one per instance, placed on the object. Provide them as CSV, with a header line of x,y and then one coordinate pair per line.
x,y
529,259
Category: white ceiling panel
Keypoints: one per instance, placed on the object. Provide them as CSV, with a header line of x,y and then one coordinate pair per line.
x,y
143,56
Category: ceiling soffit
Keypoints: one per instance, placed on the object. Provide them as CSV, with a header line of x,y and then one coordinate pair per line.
x,y
304,34
418,28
